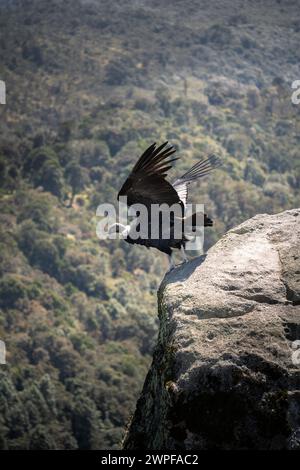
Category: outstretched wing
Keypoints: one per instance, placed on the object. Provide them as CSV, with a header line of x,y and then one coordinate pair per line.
x,y
201,168
146,183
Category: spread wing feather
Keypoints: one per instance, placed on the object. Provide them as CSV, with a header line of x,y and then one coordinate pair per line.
x,y
146,183
200,169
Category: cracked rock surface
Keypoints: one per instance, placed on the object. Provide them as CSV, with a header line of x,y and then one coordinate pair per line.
x,y
226,369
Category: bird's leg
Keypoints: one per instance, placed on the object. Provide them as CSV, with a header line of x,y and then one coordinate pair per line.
x,y
183,254
171,261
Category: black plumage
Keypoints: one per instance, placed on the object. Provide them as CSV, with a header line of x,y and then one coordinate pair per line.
x,y
147,185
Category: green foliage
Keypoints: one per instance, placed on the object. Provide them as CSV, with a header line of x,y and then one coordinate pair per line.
x,y
35,208
11,291
88,91
50,177
76,177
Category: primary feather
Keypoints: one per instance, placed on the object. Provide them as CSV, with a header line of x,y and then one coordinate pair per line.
x,y
200,169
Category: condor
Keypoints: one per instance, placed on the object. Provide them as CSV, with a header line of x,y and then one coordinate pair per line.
x,y
147,185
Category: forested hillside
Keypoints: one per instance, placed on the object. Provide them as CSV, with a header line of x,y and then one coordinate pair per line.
x,y
89,85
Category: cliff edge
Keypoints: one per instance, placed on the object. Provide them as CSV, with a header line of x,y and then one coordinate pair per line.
x,y
226,369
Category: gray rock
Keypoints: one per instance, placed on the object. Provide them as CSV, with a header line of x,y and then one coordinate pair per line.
x,y
226,370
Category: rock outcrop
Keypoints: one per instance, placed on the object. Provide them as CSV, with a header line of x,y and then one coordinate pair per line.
x,y
226,369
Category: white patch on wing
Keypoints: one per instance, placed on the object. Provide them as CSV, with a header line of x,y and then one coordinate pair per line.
x,y
181,189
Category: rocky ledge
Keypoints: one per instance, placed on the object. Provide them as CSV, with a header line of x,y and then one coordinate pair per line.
x,y
226,369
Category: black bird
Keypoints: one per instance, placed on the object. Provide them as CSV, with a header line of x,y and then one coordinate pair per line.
x,y
147,185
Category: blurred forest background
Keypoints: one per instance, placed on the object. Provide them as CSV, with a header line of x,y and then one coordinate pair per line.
x,y
89,85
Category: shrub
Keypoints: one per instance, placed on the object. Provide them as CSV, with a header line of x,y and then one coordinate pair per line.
x,y
94,155
77,177
37,157
43,167
33,53
217,34
50,177
35,207
11,290
119,71
45,255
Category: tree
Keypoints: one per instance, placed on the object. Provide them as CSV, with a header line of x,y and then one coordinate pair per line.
x,y
40,439
86,423
43,167
50,177
11,290
77,178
